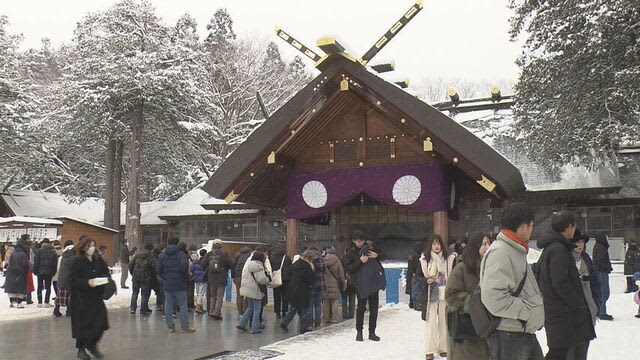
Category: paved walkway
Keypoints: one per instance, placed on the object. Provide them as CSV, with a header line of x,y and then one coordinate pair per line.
x,y
134,337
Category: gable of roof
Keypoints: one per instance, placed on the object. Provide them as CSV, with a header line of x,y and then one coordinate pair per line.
x,y
470,148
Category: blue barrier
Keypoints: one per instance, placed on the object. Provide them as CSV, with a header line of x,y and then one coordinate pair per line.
x,y
229,288
393,285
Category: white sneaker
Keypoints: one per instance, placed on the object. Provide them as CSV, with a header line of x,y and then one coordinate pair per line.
x,y
20,306
47,305
39,305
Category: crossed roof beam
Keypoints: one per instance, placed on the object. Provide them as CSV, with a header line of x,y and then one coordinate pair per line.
x,y
330,45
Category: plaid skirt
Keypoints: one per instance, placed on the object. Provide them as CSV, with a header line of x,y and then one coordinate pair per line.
x,y
62,299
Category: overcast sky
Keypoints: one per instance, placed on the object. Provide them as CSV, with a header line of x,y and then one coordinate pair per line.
x,y
448,38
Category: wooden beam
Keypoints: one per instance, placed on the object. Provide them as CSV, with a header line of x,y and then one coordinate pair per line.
x,y
441,225
329,45
292,236
384,67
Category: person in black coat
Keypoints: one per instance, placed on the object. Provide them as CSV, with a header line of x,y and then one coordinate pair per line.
x,y
603,266
631,265
413,263
299,291
239,260
45,264
89,318
16,275
568,321
279,259
216,265
355,263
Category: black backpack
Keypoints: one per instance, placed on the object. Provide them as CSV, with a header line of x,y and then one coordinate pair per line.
x,y
142,269
484,321
215,263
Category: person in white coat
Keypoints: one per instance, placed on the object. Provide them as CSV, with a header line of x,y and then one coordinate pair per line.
x,y
254,275
436,264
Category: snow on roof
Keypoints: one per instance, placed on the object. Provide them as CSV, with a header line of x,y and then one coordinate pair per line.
x,y
51,205
488,125
150,212
88,223
190,204
29,220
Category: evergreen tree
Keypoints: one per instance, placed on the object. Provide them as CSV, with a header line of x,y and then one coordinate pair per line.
x,y
577,94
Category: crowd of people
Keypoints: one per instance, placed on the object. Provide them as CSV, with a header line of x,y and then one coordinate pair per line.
x,y
485,301
565,291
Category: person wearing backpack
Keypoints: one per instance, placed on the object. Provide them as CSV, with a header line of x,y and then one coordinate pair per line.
x,y
142,269
462,281
568,322
509,290
217,266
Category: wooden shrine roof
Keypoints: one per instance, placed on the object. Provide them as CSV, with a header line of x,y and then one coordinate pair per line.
x,y
246,176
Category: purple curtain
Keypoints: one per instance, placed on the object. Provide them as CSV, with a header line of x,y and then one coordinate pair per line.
x,y
425,187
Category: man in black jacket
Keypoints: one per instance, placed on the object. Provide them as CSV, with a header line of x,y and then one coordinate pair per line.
x,y
603,265
355,260
45,265
216,265
236,273
568,320
279,259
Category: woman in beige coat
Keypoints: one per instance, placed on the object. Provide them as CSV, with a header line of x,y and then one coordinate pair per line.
x,y
463,279
335,282
435,266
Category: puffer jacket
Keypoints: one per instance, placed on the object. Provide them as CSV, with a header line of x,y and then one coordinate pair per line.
x,y
333,277
46,261
501,272
64,268
239,260
173,268
253,276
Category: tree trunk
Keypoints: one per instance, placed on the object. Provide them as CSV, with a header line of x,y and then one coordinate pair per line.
x,y
132,229
108,192
117,186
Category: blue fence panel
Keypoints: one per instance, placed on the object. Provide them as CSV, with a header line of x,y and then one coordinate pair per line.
x,y
393,285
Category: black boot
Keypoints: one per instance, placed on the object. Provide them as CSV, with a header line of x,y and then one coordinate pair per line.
x,y
56,311
359,336
82,354
373,336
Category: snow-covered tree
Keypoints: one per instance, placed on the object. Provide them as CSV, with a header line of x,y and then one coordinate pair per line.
x,y
578,93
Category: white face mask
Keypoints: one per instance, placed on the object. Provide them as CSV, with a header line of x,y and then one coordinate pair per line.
x,y
91,250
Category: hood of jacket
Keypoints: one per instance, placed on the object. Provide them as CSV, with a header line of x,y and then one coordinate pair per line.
x,y
601,238
143,254
555,237
255,266
330,260
244,250
67,253
171,250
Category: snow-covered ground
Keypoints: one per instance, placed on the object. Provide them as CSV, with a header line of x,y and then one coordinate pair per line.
x,y
118,301
403,333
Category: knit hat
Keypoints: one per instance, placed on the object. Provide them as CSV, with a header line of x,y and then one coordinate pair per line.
x,y
217,242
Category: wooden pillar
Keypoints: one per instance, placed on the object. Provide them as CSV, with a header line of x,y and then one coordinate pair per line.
x,y
441,225
292,236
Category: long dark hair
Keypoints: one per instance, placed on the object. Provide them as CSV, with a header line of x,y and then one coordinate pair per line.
x,y
83,245
444,249
471,253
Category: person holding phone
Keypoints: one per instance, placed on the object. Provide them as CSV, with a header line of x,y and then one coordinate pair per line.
x,y
363,263
89,319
